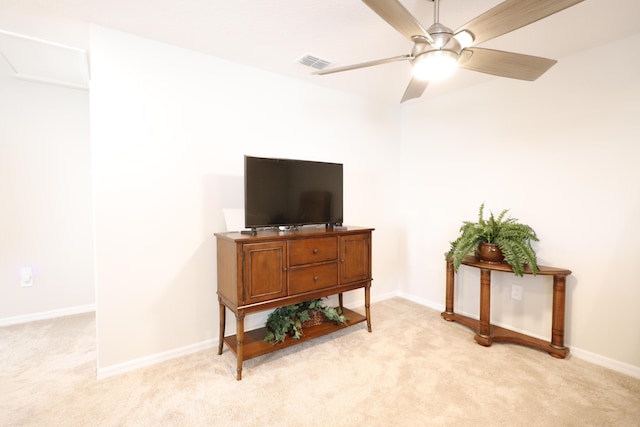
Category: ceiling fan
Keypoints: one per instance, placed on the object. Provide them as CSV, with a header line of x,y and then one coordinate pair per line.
x,y
438,51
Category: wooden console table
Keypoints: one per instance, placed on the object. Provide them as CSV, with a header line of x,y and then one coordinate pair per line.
x,y
486,333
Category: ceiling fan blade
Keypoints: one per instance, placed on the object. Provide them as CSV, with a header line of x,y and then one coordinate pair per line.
x,y
398,17
504,64
415,89
511,15
362,65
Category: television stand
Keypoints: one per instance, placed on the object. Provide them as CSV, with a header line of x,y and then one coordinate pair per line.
x,y
270,269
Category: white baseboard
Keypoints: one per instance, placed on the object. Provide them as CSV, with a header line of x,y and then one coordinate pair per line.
x,y
606,362
421,301
153,359
378,298
44,315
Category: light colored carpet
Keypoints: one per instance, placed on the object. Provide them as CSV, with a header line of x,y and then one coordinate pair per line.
x,y
415,369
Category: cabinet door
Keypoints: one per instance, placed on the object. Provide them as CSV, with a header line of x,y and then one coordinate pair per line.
x,y
263,273
355,257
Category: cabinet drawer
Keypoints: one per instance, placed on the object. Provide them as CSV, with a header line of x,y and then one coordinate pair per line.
x,y
314,277
309,251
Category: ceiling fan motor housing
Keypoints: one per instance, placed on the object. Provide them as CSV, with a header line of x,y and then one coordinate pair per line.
x,y
440,34
443,40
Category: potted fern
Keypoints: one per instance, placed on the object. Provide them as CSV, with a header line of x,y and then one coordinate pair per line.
x,y
502,236
291,319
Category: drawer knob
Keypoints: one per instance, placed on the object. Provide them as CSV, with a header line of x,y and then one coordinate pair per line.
x,y
315,251
315,278
284,269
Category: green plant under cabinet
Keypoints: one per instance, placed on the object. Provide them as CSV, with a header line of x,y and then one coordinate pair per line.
x,y
513,239
289,320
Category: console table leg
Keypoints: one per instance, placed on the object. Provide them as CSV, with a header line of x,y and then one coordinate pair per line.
x,y
483,336
240,343
448,313
557,320
449,292
223,319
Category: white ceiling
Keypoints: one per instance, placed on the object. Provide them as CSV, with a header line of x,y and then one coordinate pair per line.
x,y
273,34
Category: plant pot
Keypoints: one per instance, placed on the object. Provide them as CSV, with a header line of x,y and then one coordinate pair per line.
x,y
489,252
316,317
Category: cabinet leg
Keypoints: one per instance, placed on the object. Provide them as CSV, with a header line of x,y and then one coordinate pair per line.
x,y
367,305
340,303
223,318
240,343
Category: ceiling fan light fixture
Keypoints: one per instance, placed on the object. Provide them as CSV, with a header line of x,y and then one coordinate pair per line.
x,y
465,38
435,65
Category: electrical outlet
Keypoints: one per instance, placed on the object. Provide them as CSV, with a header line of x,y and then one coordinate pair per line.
x,y
516,292
26,277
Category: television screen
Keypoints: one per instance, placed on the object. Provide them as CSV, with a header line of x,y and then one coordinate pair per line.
x,y
285,192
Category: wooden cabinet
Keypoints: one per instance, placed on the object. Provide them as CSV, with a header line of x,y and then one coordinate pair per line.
x,y
271,269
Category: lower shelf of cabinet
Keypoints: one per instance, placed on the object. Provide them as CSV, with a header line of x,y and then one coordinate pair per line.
x,y
254,346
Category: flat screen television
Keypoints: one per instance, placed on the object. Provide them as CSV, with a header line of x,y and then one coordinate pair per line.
x,y
290,193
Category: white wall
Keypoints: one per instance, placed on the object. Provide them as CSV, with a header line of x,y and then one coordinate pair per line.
x,y
562,153
45,189
169,128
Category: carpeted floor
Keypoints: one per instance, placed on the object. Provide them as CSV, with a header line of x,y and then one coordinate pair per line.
x,y
415,369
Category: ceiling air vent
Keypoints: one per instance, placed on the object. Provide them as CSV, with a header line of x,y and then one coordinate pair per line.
x,y
314,62
33,59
